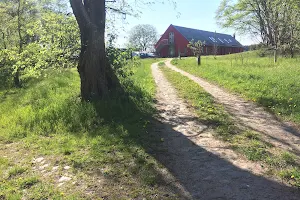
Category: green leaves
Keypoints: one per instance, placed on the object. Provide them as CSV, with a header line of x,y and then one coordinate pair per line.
x,y
197,47
35,36
275,21
143,37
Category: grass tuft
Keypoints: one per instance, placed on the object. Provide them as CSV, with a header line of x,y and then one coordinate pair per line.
x,y
16,170
28,182
292,176
161,64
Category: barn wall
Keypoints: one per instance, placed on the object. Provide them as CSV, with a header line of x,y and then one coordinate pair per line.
x,y
208,50
164,52
180,44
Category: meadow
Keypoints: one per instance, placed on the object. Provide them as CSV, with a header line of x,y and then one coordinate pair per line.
x,y
256,78
54,146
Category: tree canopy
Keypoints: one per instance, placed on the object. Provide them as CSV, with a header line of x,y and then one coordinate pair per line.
x,y
277,22
143,37
39,34
35,35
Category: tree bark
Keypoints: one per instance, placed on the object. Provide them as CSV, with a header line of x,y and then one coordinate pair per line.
x,y
96,76
3,37
292,52
17,74
199,59
275,55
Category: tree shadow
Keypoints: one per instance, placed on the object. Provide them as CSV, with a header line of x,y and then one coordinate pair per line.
x,y
198,173
261,120
206,175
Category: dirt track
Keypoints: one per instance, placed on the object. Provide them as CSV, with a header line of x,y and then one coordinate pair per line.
x,y
249,115
205,167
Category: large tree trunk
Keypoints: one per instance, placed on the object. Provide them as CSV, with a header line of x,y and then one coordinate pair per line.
x,y
92,66
96,78
17,81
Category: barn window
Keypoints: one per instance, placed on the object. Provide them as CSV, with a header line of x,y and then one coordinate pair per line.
x,y
171,38
220,40
212,39
226,41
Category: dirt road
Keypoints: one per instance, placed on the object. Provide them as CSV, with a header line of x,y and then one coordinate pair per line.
x,y
203,166
249,115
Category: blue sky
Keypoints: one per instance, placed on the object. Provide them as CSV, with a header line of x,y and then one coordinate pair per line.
x,y
199,14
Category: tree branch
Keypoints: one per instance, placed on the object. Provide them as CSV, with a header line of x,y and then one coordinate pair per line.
x,y
80,13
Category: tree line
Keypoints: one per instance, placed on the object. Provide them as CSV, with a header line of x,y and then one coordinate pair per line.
x,y
276,22
39,34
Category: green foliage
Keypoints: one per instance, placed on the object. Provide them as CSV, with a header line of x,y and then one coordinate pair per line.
x,y
143,37
275,21
196,47
35,36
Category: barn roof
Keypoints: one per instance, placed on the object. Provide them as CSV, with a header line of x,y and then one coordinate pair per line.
x,y
210,38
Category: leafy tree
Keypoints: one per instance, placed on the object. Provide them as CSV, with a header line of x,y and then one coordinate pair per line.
x,y
277,22
96,74
143,37
197,48
35,35
92,67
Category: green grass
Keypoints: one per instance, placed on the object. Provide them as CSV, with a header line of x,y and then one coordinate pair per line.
x,y
161,64
16,170
103,143
275,86
246,142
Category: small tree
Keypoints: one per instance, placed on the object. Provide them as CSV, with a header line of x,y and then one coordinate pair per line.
x,y
143,37
197,48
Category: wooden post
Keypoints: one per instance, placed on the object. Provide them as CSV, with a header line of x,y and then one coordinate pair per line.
x,y
199,60
230,58
275,55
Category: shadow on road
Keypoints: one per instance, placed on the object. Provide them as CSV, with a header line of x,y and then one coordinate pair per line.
x,y
207,176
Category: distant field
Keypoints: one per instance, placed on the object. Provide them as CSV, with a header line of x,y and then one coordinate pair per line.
x,y
275,86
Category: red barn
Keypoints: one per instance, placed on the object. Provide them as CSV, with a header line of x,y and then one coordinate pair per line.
x,y
175,40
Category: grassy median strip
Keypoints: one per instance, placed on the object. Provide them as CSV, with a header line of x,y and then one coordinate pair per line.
x,y
274,86
246,142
